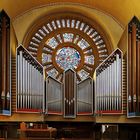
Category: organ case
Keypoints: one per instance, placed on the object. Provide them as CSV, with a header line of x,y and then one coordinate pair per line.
x,y
5,65
69,94
133,68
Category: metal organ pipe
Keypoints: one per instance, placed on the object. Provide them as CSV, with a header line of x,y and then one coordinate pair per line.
x,y
30,82
108,85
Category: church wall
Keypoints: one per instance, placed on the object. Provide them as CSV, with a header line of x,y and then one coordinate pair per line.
x,y
111,27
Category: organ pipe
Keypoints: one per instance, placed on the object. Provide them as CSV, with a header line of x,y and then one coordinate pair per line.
x,y
30,83
108,85
5,71
133,68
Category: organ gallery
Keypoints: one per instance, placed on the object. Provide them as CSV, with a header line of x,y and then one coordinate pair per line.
x,y
69,71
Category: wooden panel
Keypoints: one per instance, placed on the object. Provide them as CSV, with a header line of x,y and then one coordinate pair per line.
x,y
138,77
124,87
54,96
13,84
69,94
85,97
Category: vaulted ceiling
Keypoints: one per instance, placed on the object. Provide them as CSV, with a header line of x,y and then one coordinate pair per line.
x,y
121,10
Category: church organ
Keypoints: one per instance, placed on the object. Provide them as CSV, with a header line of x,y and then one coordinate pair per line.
x,y
5,58
76,73
72,92
50,96
70,97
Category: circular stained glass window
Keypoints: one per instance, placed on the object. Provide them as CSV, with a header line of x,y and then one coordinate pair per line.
x,y
68,58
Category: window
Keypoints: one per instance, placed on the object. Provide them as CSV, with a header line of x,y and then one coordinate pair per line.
x,y
67,42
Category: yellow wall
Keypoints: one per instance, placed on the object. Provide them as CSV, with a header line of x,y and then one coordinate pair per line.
x,y
13,42
121,10
109,24
123,43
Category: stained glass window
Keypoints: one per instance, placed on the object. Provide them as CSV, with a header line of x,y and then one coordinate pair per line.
x,y
83,74
77,24
68,58
72,23
99,42
52,42
86,28
83,44
38,35
68,43
89,59
88,51
53,24
68,37
45,29
89,32
59,38
49,26
46,58
63,23
68,23
46,49
31,48
76,39
58,23
82,26
42,32
53,72
34,38
32,43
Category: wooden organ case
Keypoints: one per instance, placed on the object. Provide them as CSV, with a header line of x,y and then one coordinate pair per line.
x,y
133,58
5,69
70,94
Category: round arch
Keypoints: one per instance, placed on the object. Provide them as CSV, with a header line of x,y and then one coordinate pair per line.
x,y
62,29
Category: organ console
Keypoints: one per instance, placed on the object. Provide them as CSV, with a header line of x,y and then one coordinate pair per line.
x,y
108,85
5,69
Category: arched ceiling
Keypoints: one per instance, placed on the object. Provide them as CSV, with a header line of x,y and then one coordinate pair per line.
x,y
121,10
